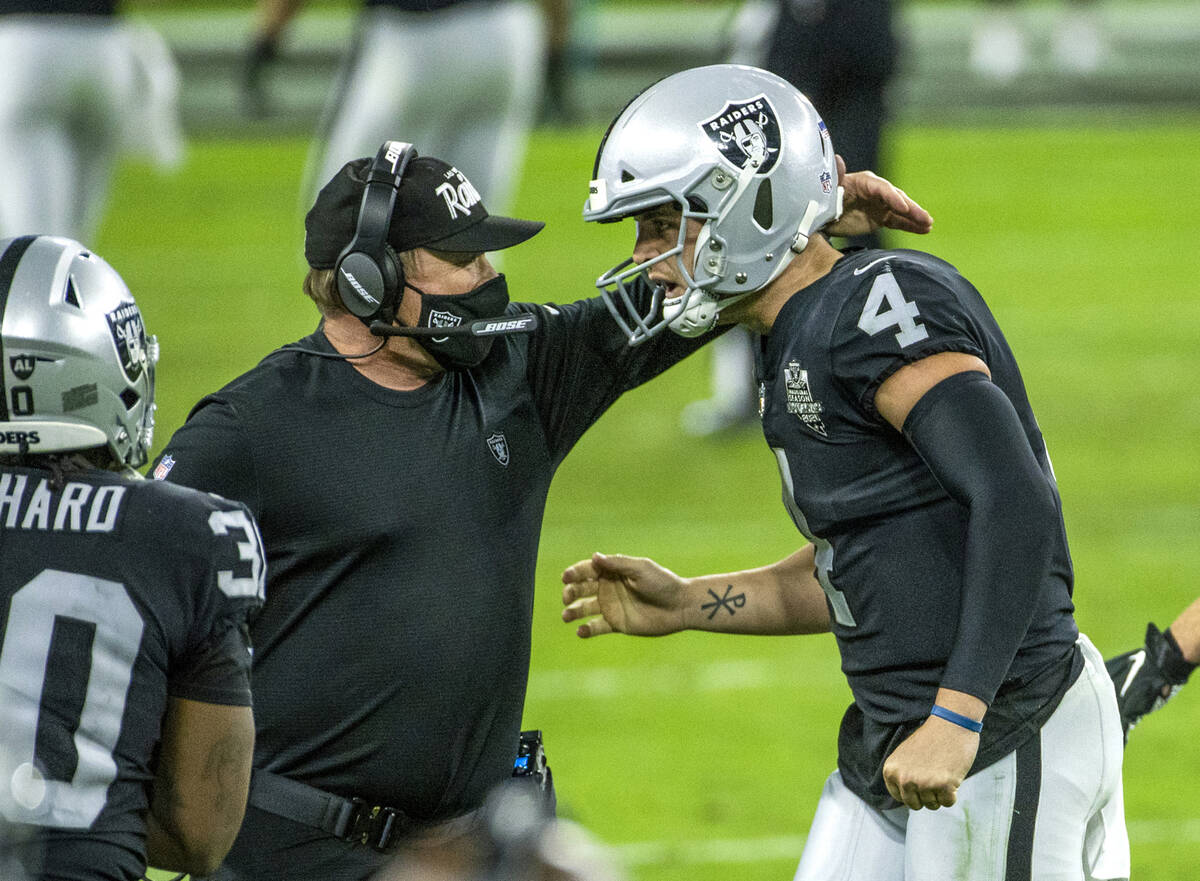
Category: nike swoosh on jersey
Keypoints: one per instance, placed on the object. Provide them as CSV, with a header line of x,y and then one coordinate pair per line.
x,y
551,309
1136,661
863,269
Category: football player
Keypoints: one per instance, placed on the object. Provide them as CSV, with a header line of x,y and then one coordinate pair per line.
x,y
110,90
912,463
125,725
1148,677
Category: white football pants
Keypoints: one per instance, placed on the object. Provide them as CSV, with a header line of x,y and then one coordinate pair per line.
x,y
78,91
462,84
1052,810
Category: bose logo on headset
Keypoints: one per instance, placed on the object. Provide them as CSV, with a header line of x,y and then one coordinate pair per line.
x,y
362,292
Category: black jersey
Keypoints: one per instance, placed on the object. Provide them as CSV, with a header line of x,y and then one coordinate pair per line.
x,y
889,539
60,7
401,528
116,593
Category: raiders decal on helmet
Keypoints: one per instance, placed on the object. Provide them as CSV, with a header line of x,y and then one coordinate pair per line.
x,y
129,336
746,131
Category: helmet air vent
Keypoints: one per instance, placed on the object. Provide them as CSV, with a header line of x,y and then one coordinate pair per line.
x,y
71,297
764,211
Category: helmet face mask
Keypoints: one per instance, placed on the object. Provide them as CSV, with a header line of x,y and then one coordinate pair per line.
x,y
735,147
78,369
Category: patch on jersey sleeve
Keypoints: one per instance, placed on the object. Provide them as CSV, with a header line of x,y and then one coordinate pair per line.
x,y
800,400
163,468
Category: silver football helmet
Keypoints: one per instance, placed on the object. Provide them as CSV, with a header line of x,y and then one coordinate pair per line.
x,y
78,368
739,149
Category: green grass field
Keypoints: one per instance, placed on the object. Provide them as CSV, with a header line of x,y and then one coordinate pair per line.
x,y
701,757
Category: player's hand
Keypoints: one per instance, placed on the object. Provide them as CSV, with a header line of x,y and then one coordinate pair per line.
x,y
870,202
623,595
927,768
1146,678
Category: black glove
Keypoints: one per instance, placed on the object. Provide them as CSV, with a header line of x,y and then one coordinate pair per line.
x,y
1146,678
263,51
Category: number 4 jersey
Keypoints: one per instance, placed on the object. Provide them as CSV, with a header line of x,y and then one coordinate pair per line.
x,y
889,539
115,593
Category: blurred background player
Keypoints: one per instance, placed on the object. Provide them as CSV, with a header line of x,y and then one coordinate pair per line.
x,y
1000,51
842,55
124,670
81,88
1148,677
516,841
462,78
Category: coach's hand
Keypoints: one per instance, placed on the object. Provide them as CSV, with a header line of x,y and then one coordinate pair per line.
x,y
927,768
629,594
870,202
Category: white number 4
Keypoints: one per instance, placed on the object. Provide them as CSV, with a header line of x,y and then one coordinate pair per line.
x,y
900,312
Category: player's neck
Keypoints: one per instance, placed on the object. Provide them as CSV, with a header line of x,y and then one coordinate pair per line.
x,y
402,364
758,311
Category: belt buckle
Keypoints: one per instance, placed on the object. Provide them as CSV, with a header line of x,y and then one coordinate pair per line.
x,y
356,813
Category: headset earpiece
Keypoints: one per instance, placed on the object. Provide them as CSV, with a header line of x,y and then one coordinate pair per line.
x,y
369,275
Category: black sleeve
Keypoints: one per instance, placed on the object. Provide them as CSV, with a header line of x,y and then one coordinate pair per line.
x,y
218,669
210,452
580,362
968,433
894,317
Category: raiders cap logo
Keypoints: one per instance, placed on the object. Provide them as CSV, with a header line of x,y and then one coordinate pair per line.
x,y
746,131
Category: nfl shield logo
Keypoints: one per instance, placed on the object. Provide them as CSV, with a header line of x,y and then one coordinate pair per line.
x,y
746,131
129,336
498,444
163,468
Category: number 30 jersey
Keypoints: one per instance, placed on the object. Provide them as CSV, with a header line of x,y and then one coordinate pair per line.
x,y
115,593
890,541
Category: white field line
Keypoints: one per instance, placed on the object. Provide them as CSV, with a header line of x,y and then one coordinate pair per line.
x,y
676,679
788,847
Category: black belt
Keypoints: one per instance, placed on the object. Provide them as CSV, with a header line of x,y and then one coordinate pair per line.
x,y
352,820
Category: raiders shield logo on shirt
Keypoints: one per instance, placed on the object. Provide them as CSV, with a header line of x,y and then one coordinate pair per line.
x,y
746,131
498,444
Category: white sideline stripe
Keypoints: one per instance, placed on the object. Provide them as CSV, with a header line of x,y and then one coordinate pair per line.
x,y
676,679
788,847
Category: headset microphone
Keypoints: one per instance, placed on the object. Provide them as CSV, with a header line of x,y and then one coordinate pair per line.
x,y
525,322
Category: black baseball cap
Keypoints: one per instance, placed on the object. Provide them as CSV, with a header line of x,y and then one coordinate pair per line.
x,y
436,207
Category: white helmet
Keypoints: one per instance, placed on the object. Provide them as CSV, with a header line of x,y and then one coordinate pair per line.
x,y
736,147
78,369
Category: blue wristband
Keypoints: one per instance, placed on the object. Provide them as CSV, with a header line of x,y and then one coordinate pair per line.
x,y
956,718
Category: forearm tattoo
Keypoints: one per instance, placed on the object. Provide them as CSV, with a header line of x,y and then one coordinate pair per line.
x,y
726,602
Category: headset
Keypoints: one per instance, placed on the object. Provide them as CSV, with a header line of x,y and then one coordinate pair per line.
x,y
370,279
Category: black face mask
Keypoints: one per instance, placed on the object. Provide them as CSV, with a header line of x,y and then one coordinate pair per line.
x,y
450,310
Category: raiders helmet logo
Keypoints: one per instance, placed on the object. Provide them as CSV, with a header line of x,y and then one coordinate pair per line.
x,y
129,336
746,131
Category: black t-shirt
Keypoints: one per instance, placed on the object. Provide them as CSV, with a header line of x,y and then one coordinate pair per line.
x,y
117,592
889,539
402,528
